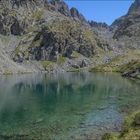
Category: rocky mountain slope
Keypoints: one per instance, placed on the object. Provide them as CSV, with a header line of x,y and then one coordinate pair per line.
x,y
45,35
126,34
42,35
127,28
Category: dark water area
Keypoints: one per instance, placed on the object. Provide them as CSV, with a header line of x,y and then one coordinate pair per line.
x,y
64,106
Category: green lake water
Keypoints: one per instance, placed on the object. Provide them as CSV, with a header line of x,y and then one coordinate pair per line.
x,y
65,106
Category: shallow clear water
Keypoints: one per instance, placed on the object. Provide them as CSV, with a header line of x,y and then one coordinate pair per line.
x,y
65,106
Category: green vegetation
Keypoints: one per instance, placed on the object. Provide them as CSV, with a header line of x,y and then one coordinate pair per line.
x,y
133,65
37,15
47,64
18,52
123,63
75,54
110,136
61,60
71,32
131,129
7,72
104,68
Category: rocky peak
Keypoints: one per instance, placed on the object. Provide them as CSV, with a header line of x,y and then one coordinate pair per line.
x,y
17,16
52,5
135,7
60,6
98,24
127,28
75,14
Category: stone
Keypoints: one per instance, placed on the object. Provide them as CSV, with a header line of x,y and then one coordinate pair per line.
x,y
83,64
15,28
2,28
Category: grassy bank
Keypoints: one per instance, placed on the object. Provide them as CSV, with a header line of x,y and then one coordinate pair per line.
x,y
128,64
130,130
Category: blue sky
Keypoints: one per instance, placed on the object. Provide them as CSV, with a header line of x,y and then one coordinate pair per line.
x,y
101,10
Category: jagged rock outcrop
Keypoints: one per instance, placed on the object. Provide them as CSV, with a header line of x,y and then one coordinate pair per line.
x,y
135,7
102,30
98,25
59,37
60,6
127,28
75,14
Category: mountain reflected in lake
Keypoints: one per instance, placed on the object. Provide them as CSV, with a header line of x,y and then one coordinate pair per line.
x,y
64,106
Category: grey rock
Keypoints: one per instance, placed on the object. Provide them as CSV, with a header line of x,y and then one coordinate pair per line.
x,y
132,74
75,14
127,28
83,64
61,7
15,28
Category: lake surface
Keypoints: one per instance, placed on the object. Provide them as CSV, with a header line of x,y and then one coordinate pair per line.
x,y
64,106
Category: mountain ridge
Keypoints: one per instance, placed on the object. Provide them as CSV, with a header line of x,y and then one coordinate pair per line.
x,y
51,37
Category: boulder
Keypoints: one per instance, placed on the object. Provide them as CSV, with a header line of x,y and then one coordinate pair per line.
x,y
83,64
15,28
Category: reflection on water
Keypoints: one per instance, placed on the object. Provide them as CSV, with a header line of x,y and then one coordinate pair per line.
x,y
64,106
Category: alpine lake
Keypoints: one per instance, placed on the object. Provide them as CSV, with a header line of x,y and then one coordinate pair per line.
x,y
68,106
